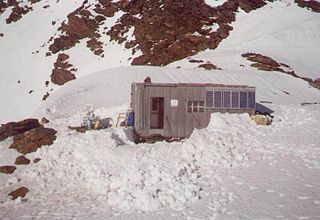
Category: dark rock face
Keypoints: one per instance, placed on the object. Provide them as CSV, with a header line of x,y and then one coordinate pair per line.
x,y
249,5
7,169
209,66
32,140
18,10
164,31
37,160
313,5
266,63
14,128
62,71
21,160
20,192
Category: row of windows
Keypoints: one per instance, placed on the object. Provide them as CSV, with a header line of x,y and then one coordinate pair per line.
x,y
227,99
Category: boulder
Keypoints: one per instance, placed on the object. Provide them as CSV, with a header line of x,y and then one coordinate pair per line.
x,y
313,5
32,140
14,128
20,192
36,160
22,160
208,66
7,169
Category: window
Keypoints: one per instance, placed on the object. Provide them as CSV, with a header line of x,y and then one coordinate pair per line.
x,y
235,99
195,106
217,99
201,106
243,99
226,99
209,99
251,99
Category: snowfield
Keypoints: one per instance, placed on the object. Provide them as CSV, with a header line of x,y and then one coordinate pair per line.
x,y
233,169
104,174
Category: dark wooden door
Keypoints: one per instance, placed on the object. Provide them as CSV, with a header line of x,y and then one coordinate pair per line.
x,y
157,113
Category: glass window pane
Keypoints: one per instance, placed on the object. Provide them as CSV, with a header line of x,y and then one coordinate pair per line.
x,y
251,99
226,99
217,99
243,100
235,99
209,99
201,103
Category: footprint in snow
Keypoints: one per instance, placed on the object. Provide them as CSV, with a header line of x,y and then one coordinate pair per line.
x,y
238,183
303,197
253,187
281,195
303,218
317,202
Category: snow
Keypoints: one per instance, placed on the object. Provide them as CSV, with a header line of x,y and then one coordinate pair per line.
x,y
215,3
292,40
101,89
205,176
233,169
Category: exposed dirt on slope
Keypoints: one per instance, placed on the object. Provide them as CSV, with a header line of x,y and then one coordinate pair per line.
x,y
313,5
266,63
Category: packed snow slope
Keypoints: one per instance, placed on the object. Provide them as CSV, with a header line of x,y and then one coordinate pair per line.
x,y
290,35
233,169
110,88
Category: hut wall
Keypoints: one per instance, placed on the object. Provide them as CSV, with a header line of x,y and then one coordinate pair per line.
x,y
179,121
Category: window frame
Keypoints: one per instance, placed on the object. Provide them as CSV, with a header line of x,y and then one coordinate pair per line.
x,y
195,106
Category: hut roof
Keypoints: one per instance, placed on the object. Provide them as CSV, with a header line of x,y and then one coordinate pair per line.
x,y
194,85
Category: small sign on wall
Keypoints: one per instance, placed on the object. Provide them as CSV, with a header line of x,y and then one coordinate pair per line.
x,y
174,103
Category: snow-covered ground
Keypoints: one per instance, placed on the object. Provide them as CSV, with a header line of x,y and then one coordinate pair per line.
x,y
233,169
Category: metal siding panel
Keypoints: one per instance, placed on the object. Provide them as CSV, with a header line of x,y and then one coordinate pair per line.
x,y
167,112
174,112
189,91
182,112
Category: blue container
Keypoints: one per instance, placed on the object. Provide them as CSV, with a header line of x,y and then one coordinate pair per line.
x,y
131,119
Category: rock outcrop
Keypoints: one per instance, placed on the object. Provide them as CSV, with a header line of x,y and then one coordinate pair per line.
x,y
7,169
209,66
20,192
63,71
266,63
164,31
14,128
22,160
31,140
310,4
18,9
